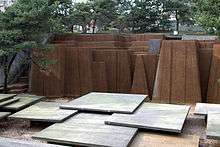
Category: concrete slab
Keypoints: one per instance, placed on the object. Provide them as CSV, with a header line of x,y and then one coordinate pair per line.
x,y
87,129
204,108
10,101
163,117
4,97
213,125
106,102
44,111
151,139
8,142
25,100
4,114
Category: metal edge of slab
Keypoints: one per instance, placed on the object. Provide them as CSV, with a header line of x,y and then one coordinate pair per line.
x,y
77,143
20,143
204,106
209,136
63,142
200,114
22,107
142,127
6,115
96,110
189,108
45,120
103,111
132,138
8,102
8,98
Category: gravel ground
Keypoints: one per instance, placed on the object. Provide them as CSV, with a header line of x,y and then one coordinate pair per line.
x,y
20,129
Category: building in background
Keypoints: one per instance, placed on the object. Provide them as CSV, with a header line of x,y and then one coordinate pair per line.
x,y
5,3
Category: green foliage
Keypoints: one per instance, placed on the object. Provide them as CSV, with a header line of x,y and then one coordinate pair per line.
x,y
80,15
101,12
182,8
28,24
9,41
208,15
35,18
144,15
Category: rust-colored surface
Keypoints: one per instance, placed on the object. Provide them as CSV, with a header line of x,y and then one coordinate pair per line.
x,y
85,70
181,66
139,84
123,72
71,78
110,59
178,79
193,90
37,82
150,64
50,83
214,85
178,73
162,88
99,77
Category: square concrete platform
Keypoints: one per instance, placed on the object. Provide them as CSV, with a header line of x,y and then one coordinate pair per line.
x,y
24,101
9,142
44,111
213,125
106,102
204,108
87,129
163,117
4,97
4,114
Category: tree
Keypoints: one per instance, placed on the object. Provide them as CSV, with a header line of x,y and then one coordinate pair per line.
x,y
100,12
63,12
28,24
80,15
123,9
208,15
182,10
145,15
103,12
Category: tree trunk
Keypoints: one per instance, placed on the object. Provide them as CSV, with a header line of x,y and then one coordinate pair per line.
x,y
7,68
177,21
5,90
71,29
5,86
84,29
93,27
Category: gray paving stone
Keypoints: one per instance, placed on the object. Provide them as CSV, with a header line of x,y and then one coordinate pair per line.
x,y
163,117
213,125
4,97
25,100
44,111
87,129
4,114
204,108
8,142
106,102
10,101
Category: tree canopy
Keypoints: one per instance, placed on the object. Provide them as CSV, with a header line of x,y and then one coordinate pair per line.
x,y
208,15
28,24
